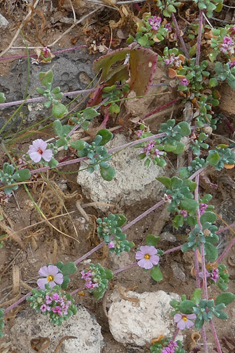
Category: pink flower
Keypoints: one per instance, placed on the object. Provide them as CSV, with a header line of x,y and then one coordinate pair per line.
x,y
43,308
168,27
139,133
170,348
158,153
184,213
55,296
148,148
215,274
38,150
48,299
86,275
202,208
183,321
155,22
111,245
91,285
184,82
147,257
46,52
227,45
57,310
52,276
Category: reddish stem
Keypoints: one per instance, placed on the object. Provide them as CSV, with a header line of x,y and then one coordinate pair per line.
x,y
162,107
185,50
199,38
216,337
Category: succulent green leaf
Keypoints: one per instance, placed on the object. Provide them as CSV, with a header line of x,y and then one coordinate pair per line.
x,y
213,158
165,181
90,113
186,306
59,110
46,78
225,298
68,269
211,252
208,217
78,145
197,295
156,273
2,97
23,174
106,136
152,240
108,173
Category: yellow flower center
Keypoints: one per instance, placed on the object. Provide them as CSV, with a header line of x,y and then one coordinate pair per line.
x,y
184,318
147,256
50,278
40,151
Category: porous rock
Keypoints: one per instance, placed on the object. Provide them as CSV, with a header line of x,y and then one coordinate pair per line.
x,y
133,182
3,22
138,322
31,326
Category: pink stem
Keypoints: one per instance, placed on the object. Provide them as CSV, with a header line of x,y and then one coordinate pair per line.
x,y
185,50
158,109
35,55
124,268
204,339
172,250
175,334
199,38
197,268
17,303
216,337
225,251
77,290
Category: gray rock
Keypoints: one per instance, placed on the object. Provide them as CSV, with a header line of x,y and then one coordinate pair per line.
x,y
134,182
72,71
33,326
178,273
167,236
3,22
138,322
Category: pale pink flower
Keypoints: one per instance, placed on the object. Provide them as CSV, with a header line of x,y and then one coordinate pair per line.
x,y
55,296
57,310
111,245
155,22
147,257
184,321
184,82
38,151
43,308
52,276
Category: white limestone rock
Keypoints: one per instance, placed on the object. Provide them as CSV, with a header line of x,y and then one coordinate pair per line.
x,y
30,325
3,22
137,323
134,182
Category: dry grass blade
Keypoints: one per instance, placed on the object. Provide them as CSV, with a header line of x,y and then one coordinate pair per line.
x,y
55,252
61,341
81,210
9,230
16,280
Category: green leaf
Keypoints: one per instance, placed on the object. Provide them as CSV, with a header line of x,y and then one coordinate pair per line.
x,y
59,110
78,145
184,173
106,136
225,298
108,274
68,269
189,204
120,219
184,129
178,221
197,295
108,173
165,181
211,252
23,174
8,168
156,274
208,217
90,113
40,90
58,128
56,90
53,163
186,306
213,82
46,78
171,8
65,283
213,158
114,108
152,240
198,323
2,97
179,147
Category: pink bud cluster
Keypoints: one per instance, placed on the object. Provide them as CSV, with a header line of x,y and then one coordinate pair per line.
x,y
172,345
155,22
88,276
227,45
56,303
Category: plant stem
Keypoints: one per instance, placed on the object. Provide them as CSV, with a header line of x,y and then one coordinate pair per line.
x,y
185,50
124,268
199,38
35,55
158,109
197,172
12,306
225,251
225,228
41,99
77,290
197,268
204,339
137,219
216,337
172,250
175,334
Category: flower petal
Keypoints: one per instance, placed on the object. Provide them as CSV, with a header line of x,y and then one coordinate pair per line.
x,y
39,143
43,271
147,264
41,283
154,259
52,284
181,324
191,316
177,317
189,324
59,278
139,255
35,156
152,250
47,155
53,270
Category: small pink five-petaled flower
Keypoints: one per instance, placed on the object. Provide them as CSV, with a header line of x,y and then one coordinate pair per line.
x,y
38,151
147,257
184,321
52,276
